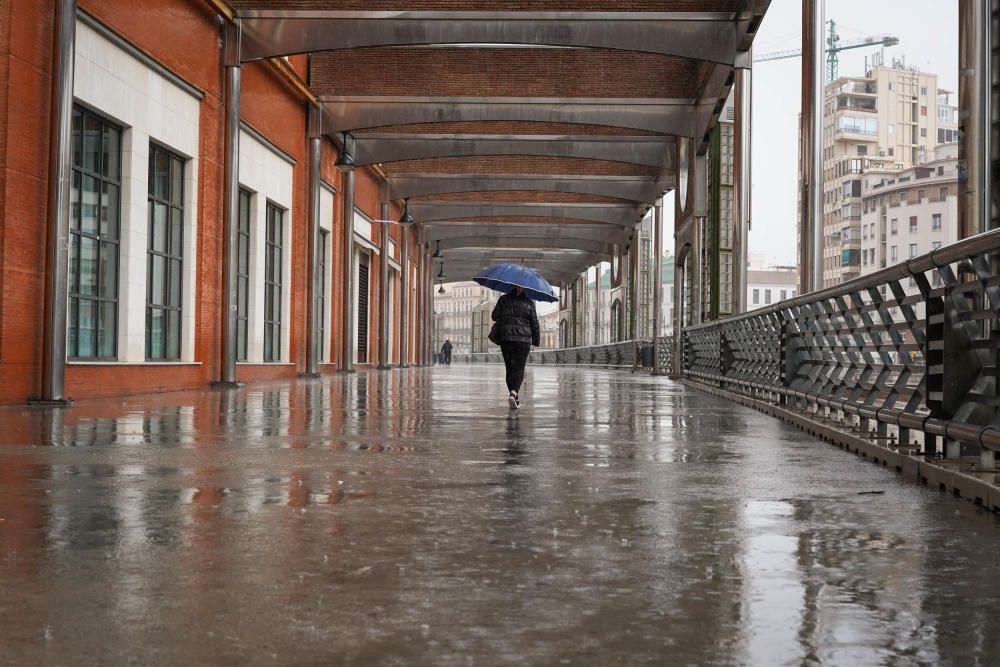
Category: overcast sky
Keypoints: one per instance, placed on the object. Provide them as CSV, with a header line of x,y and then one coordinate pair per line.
x,y
928,38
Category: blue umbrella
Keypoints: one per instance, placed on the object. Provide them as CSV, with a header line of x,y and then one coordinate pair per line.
x,y
505,277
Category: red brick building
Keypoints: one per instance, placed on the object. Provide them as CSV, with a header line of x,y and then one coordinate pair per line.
x,y
147,207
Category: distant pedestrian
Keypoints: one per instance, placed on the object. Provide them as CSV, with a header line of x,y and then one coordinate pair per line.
x,y
446,352
515,331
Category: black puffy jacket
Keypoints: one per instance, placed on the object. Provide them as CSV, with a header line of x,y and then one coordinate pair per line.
x,y
517,321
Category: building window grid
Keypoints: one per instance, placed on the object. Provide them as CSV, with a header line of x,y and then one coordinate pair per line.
x,y
273,268
94,248
165,254
936,221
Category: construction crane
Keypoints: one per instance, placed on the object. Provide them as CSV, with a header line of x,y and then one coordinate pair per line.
x,y
833,46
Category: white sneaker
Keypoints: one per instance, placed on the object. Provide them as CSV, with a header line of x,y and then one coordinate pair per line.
x,y
512,401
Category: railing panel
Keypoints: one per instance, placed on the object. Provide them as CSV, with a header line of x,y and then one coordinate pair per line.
x,y
612,355
914,347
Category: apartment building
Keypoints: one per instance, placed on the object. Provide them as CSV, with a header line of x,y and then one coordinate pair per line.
x,y
890,120
910,212
454,304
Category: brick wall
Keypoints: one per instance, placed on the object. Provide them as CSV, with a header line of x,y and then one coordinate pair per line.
x,y
503,73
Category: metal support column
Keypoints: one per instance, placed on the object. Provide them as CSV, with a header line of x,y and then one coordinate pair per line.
x,y
313,314
974,116
420,332
677,368
383,297
348,332
811,148
597,304
633,279
428,307
657,279
231,208
404,301
53,389
695,259
741,226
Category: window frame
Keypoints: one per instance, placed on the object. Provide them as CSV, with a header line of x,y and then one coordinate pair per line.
x,y
77,234
169,256
273,353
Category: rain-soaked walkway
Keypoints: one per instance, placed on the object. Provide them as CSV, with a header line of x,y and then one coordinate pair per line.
x,y
405,518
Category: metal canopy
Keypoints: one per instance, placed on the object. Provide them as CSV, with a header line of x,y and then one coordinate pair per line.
x,y
709,36
381,147
673,116
613,214
632,188
614,139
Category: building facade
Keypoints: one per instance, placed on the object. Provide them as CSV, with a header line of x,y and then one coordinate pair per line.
x,y
453,312
891,119
910,212
144,304
769,286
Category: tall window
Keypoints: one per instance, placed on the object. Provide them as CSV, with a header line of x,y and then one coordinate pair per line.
x,y
165,254
936,221
756,297
272,283
243,274
322,305
93,243
913,250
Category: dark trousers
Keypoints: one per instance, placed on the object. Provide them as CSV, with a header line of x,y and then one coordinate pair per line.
x,y
515,356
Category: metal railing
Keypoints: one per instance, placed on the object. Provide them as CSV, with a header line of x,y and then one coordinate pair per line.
x,y
624,354
869,355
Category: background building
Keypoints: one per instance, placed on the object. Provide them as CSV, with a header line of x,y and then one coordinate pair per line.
x,y
910,212
889,120
453,313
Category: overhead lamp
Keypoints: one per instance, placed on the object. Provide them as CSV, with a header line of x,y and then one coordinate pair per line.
x,y
406,218
440,275
345,161
441,289
437,250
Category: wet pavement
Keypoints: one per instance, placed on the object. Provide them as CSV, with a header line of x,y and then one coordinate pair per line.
x,y
407,517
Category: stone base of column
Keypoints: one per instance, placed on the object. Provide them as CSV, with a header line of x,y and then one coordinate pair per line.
x,y
48,403
226,385
312,376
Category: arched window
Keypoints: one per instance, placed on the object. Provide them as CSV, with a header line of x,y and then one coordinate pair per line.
x,y
563,333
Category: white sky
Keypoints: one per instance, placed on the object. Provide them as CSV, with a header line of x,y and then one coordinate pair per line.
x,y
928,38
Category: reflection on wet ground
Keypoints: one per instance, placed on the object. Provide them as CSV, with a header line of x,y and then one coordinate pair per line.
x,y
406,517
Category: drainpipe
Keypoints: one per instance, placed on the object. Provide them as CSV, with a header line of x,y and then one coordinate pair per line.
x,y
57,237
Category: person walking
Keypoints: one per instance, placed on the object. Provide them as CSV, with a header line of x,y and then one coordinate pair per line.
x,y
516,330
446,352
